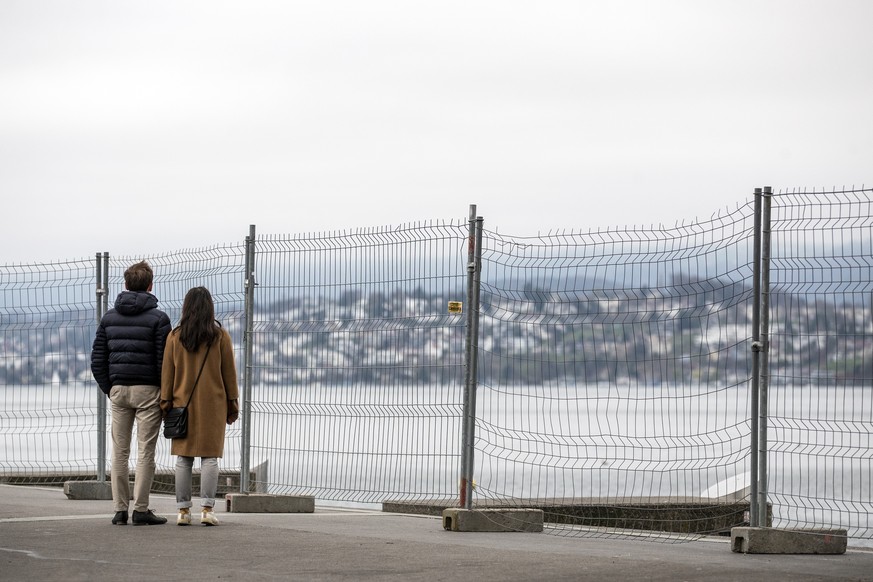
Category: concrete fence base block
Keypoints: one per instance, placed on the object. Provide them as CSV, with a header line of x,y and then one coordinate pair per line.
x,y
493,520
264,503
89,490
765,540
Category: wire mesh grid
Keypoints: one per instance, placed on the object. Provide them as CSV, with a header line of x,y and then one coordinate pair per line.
x,y
613,389
358,364
613,368
221,269
820,418
48,411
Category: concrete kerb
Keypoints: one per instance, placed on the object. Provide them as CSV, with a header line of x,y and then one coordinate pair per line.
x,y
75,487
493,520
765,540
235,502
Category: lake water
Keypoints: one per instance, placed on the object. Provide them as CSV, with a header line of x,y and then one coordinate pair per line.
x,y
361,445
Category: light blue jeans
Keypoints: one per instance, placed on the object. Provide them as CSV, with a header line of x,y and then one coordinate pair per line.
x,y
208,481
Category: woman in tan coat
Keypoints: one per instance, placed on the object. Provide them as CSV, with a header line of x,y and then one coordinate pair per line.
x,y
199,356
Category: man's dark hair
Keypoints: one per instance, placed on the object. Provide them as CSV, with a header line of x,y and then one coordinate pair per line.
x,y
138,277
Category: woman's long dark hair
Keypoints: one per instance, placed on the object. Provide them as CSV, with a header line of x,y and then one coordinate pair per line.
x,y
197,326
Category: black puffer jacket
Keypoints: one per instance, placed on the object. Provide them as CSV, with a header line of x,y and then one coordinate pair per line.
x,y
129,346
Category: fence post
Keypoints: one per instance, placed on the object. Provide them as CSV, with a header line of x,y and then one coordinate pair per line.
x,y
474,270
245,396
102,305
756,351
765,362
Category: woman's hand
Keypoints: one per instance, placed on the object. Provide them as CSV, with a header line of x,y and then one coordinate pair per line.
x,y
232,411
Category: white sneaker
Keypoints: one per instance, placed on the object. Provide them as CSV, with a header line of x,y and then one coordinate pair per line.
x,y
184,518
208,518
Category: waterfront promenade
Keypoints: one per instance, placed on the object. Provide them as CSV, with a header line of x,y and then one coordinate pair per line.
x,y
44,536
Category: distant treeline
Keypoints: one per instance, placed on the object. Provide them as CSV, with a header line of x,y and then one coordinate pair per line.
x,y
690,331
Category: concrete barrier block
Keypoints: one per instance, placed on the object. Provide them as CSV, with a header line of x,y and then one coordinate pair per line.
x,y
264,503
493,520
90,490
764,540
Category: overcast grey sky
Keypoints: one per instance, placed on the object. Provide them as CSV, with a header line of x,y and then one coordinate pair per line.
x,y
151,126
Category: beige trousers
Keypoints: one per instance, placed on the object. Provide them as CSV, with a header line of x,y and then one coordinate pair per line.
x,y
129,404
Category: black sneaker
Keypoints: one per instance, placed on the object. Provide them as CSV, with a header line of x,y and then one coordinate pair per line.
x,y
147,518
120,518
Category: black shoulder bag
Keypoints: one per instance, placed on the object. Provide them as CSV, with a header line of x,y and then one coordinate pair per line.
x,y
176,421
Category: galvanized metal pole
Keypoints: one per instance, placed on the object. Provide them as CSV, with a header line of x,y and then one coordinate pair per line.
x,y
102,304
765,351
474,267
756,351
245,394
474,353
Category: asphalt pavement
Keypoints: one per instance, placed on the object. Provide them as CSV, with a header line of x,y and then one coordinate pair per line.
x,y
45,536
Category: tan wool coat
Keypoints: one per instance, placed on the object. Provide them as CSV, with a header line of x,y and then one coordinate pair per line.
x,y
215,399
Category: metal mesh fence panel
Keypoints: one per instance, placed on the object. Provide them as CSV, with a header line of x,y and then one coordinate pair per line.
x,y
48,408
613,368
614,376
48,318
220,269
820,417
358,366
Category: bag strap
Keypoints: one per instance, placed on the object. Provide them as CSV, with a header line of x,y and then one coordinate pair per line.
x,y
190,396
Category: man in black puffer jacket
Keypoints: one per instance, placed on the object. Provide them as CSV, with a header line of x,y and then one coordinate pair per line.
x,y
126,362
